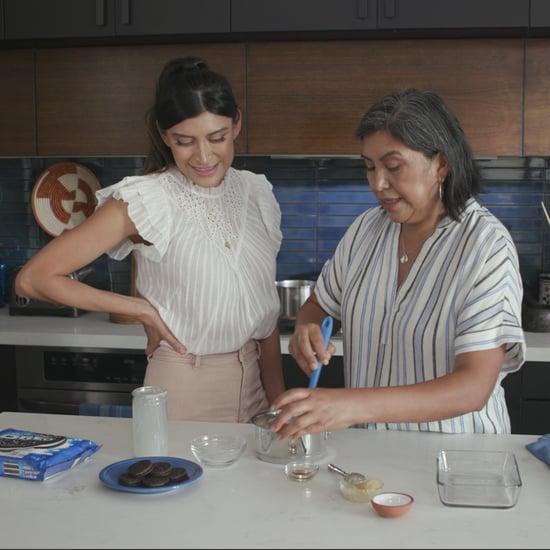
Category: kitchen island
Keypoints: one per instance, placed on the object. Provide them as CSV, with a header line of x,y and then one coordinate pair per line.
x,y
251,504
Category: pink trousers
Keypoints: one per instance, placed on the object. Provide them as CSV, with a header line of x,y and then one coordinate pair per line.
x,y
222,387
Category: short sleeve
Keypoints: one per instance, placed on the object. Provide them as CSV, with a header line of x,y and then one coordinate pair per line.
x,y
149,209
329,285
269,208
491,314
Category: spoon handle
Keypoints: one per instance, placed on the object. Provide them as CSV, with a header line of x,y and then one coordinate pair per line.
x,y
326,329
334,468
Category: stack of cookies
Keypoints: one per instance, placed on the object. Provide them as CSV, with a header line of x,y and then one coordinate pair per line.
x,y
149,473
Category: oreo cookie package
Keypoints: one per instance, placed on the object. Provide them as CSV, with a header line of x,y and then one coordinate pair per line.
x,y
38,456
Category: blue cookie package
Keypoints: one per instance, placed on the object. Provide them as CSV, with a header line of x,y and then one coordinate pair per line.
x,y
38,456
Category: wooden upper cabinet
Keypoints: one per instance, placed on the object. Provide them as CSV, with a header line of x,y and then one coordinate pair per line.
x,y
537,97
39,19
450,14
93,100
302,15
308,97
17,111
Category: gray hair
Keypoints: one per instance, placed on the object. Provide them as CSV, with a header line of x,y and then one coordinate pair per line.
x,y
423,122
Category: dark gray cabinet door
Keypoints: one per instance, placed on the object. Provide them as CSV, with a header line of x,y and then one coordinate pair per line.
x,y
528,398
8,383
162,17
302,15
28,19
1,19
452,14
36,19
540,13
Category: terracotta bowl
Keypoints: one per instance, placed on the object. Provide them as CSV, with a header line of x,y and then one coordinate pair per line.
x,y
392,505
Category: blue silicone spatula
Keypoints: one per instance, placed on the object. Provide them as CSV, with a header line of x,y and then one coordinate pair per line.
x,y
326,329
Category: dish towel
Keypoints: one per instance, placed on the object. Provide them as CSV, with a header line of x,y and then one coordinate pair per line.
x,y
541,448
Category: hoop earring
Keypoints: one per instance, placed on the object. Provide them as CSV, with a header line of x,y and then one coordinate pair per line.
x,y
441,192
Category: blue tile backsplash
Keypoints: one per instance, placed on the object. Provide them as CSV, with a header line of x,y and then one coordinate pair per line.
x,y
319,198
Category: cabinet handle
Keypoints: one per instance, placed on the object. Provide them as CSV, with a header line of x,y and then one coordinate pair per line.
x,y
389,9
363,9
100,13
125,12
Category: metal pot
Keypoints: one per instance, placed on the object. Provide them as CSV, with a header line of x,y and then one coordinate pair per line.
x,y
535,317
292,294
280,451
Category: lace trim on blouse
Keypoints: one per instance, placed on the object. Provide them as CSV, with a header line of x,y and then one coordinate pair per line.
x,y
218,211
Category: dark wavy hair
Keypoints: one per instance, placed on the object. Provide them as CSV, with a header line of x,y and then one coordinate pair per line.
x,y
186,88
423,122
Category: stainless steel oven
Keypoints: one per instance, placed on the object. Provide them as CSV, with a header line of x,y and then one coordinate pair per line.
x,y
86,381
99,382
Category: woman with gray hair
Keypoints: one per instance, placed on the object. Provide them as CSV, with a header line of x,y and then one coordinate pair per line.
x,y
426,287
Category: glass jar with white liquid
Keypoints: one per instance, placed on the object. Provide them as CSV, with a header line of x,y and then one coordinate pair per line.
x,y
150,421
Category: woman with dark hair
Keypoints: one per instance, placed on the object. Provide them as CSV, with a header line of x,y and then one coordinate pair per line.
x,y
204,237
426,287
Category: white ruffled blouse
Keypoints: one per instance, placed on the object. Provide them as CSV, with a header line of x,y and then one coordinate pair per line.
x,y
211,266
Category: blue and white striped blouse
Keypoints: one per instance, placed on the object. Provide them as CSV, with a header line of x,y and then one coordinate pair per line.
x,y
463,293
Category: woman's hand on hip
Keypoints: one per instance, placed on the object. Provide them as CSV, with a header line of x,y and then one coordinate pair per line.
x,y
157,330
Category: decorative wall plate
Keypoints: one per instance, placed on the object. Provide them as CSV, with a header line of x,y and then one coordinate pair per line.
x,y
63,196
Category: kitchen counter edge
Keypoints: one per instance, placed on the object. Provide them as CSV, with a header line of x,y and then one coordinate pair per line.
x,y
95,330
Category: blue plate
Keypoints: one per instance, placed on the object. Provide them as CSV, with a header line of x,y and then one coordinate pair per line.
x,y
110,474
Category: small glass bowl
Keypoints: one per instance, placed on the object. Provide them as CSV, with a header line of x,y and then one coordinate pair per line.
x,y
217,450
301,471
360,492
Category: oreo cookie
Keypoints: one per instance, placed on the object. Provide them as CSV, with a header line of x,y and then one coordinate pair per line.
x,y
161,469
151,473
178,474
141,468
129,480
155,481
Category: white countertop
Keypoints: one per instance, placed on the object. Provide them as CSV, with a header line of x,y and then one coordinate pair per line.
x,y
252,505
92,330
95,330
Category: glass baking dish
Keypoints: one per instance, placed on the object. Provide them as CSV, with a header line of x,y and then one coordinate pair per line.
x,y
478,479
